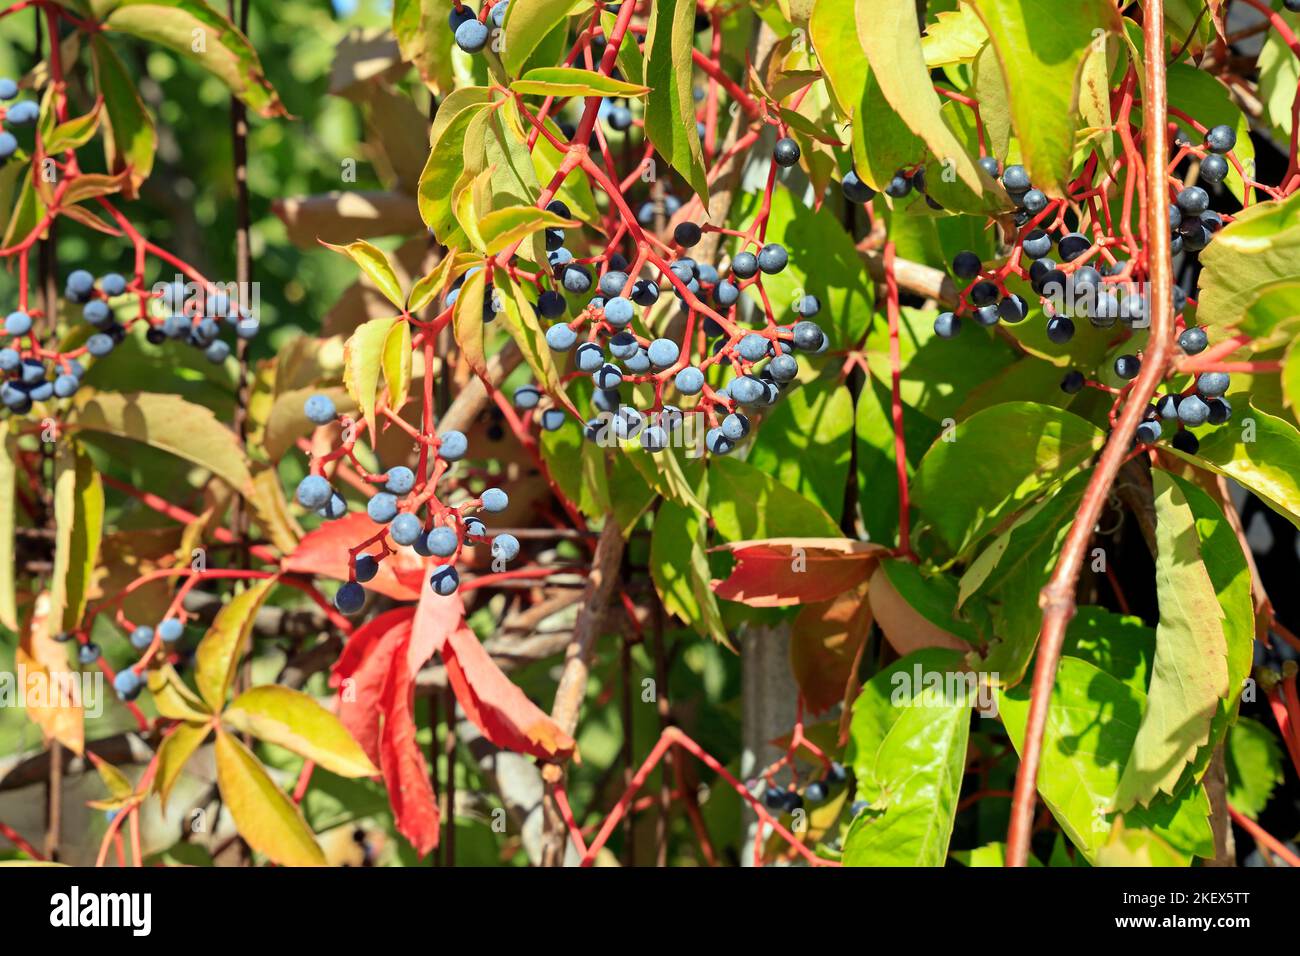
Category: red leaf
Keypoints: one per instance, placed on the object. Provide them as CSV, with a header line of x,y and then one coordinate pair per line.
x,y
496,706
325,552
415,805
825,640
436,619
779,572
365,664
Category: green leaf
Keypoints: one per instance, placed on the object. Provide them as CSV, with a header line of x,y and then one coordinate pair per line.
x,y
875,461
290,719
670,105
1011,572
996,462
217,656
420,27
73,133
526,26
1261,452
1258,248
1119,644
8,481
397,363
193,30
891,40
907,745
496,147
445,163
1190,675
521,321
1254,763
376,265
173,699
838,53
79,528
918,608
747,505
956,36
1092,722
679,565
806,443
1040,53
364,362
264,815
565,81
129,137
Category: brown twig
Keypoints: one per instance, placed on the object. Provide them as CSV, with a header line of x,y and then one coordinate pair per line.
x,y
1057,598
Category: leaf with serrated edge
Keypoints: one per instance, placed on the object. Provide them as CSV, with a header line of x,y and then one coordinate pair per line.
x,y
363,364
290,719
376,265
219,652
264,815
561,81
1190,674
167,422
174,753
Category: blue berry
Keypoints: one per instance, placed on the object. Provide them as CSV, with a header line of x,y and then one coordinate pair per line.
x,y
808,336
735,426
440,542
550,304
607,376
1149,432
1220,410
128,683
717,442
560,338
333,509
8,144
746,390
589,357
365,567
217,352
1214,168
319,409
112,284
654,439
527,396
350,598
689,381
663,353
745,265
406,529
552,419
687,234
815,792
1221,139
99,345
18,323
10,360
1213,384
65,386
142,637
1060,329
88,653
471,36
1073,381
42,392
21,114
752,347
498,17
786,152
1015,179
618,311
171,629
772,258
783,368
400,480
947,325
382,508
854,189
1193,200
1192,411
454,446
495,500
726,294
444,580
1127,366
505,547
313,492
8,88
80,282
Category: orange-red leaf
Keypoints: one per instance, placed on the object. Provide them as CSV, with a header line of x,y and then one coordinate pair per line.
x,y
824,644
361,674
778,572
325,552
496,705
415,805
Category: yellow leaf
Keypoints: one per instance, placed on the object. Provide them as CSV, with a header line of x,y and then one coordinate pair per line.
x,y
219,652
116,782
263,813
467,321
53,691
173,699
375,264
79,526
291,719
8,477
397,363
271,509
167,422
502,228
363,357
175,752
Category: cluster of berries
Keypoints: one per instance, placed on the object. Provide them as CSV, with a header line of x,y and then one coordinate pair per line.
x,y
789,799
441,533
128,683
471,33
22,113
194,315
619,350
